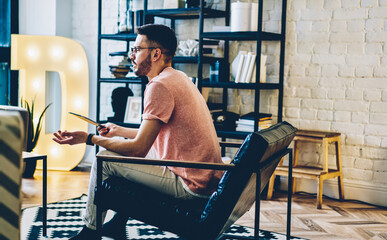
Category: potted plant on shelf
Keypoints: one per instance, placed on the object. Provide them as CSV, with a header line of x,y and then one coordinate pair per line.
x,y
33,134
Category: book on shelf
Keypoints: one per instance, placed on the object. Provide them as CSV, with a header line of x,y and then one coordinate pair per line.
x,y
263,70
247,68
210,46
208,50
242,126
210,42
246,122
246,128
250,68
263,74
254,74
239,69
259,116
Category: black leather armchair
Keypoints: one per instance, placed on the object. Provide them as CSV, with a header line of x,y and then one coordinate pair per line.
x,y
248,173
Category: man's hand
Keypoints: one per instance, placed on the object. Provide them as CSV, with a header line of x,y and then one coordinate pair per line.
x,y
108,130
70,138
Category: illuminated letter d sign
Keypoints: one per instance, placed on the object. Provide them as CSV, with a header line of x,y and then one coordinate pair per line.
x,y
33,56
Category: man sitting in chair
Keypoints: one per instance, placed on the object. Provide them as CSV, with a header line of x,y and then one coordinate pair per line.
x,y
176,125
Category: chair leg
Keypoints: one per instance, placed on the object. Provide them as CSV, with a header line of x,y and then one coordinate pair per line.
x,y
319,193
295,162
271,187
290,186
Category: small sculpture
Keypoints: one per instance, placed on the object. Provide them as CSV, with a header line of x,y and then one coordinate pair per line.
x,y
119,99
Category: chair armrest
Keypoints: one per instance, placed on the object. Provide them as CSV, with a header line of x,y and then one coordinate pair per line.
x,y
162,162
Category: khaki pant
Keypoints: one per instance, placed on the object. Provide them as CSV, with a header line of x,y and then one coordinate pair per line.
x,y
159,178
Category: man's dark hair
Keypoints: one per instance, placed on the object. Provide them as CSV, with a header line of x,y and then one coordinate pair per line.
x,y
161,36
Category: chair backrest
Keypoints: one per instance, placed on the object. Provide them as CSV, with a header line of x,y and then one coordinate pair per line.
x,y
235,193
25,117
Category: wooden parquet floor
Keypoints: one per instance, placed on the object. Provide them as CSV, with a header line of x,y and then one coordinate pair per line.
x,y
336,220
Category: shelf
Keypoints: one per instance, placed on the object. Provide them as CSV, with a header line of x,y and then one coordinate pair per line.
x,y
183,59
136,80
252,36
119,36
211,59
232,134
185,13
240,85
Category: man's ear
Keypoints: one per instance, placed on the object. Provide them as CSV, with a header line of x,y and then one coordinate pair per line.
x,y
156,54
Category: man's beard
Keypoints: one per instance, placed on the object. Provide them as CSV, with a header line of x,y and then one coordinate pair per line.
x,y
144,67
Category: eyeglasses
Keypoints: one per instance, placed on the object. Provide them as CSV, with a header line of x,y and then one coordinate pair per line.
x,y
134,50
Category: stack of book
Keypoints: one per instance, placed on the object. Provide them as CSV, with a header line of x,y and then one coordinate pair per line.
x,y
212,48
246,70
246,122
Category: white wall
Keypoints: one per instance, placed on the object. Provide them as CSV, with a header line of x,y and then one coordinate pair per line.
x,y
335,79
61,18
84,25
37,17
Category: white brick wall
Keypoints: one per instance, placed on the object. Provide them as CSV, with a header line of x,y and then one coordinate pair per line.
x,y
335,74
351,77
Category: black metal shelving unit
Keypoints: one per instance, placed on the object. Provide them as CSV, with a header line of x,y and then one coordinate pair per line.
x,y
126,37
202,13
259,36
148,17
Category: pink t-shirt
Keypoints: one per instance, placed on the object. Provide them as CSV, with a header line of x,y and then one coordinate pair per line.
x,y
188,133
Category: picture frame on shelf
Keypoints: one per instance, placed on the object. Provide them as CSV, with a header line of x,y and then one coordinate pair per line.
x,y
133,110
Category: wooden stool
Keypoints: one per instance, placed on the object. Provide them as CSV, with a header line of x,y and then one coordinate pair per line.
x,y
318,173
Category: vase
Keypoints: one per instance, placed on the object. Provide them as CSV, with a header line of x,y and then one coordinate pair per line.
x,y
29,168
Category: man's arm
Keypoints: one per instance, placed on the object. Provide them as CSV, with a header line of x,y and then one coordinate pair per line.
x,y
112,130
136,147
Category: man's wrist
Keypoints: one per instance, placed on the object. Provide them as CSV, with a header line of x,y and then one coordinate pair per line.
x,y
88,140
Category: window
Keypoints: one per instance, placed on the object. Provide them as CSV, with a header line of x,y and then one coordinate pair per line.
x,y
8,25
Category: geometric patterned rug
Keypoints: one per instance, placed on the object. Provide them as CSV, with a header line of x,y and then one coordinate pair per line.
x,y
64,219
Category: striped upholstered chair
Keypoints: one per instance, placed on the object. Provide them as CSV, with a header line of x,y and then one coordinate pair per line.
x,y
11,146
